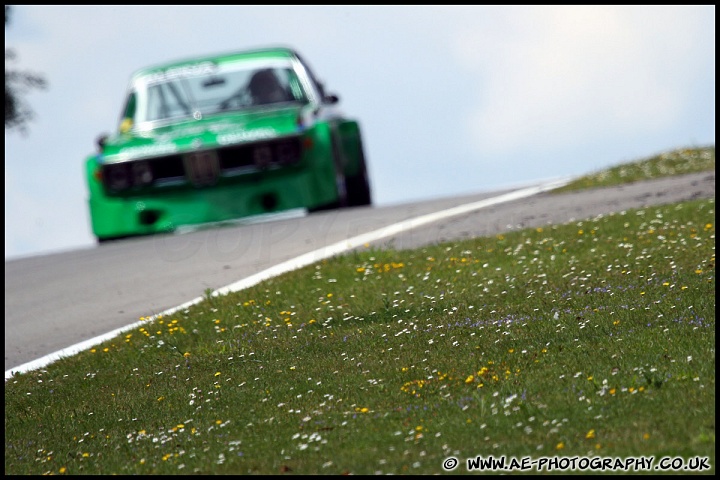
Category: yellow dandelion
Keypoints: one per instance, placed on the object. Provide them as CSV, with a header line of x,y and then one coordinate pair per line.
x,y
559,446
469,379
217,374
186,354
63,469
646,436
612,391
590,434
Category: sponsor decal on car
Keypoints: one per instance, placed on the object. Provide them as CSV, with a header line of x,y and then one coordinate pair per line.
x,y
146,150
246,135
196,70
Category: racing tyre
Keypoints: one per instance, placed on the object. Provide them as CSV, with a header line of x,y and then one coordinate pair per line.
x,y
358,186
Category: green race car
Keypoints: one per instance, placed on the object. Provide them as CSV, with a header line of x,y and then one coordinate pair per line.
x,y
224,137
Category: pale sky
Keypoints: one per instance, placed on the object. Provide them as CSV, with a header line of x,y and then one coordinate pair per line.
x,y
451,99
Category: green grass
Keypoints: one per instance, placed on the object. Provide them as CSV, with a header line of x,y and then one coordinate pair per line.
x,y
666,164
592,339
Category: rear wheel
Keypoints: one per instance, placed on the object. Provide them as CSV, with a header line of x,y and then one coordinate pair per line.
x,y
358,185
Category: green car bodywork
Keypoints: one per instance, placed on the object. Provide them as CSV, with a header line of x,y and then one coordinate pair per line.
x,y
205,140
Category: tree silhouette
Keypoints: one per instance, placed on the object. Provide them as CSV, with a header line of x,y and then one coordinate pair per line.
x,y
18,83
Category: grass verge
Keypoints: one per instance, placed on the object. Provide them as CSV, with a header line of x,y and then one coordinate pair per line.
x,y
593,339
